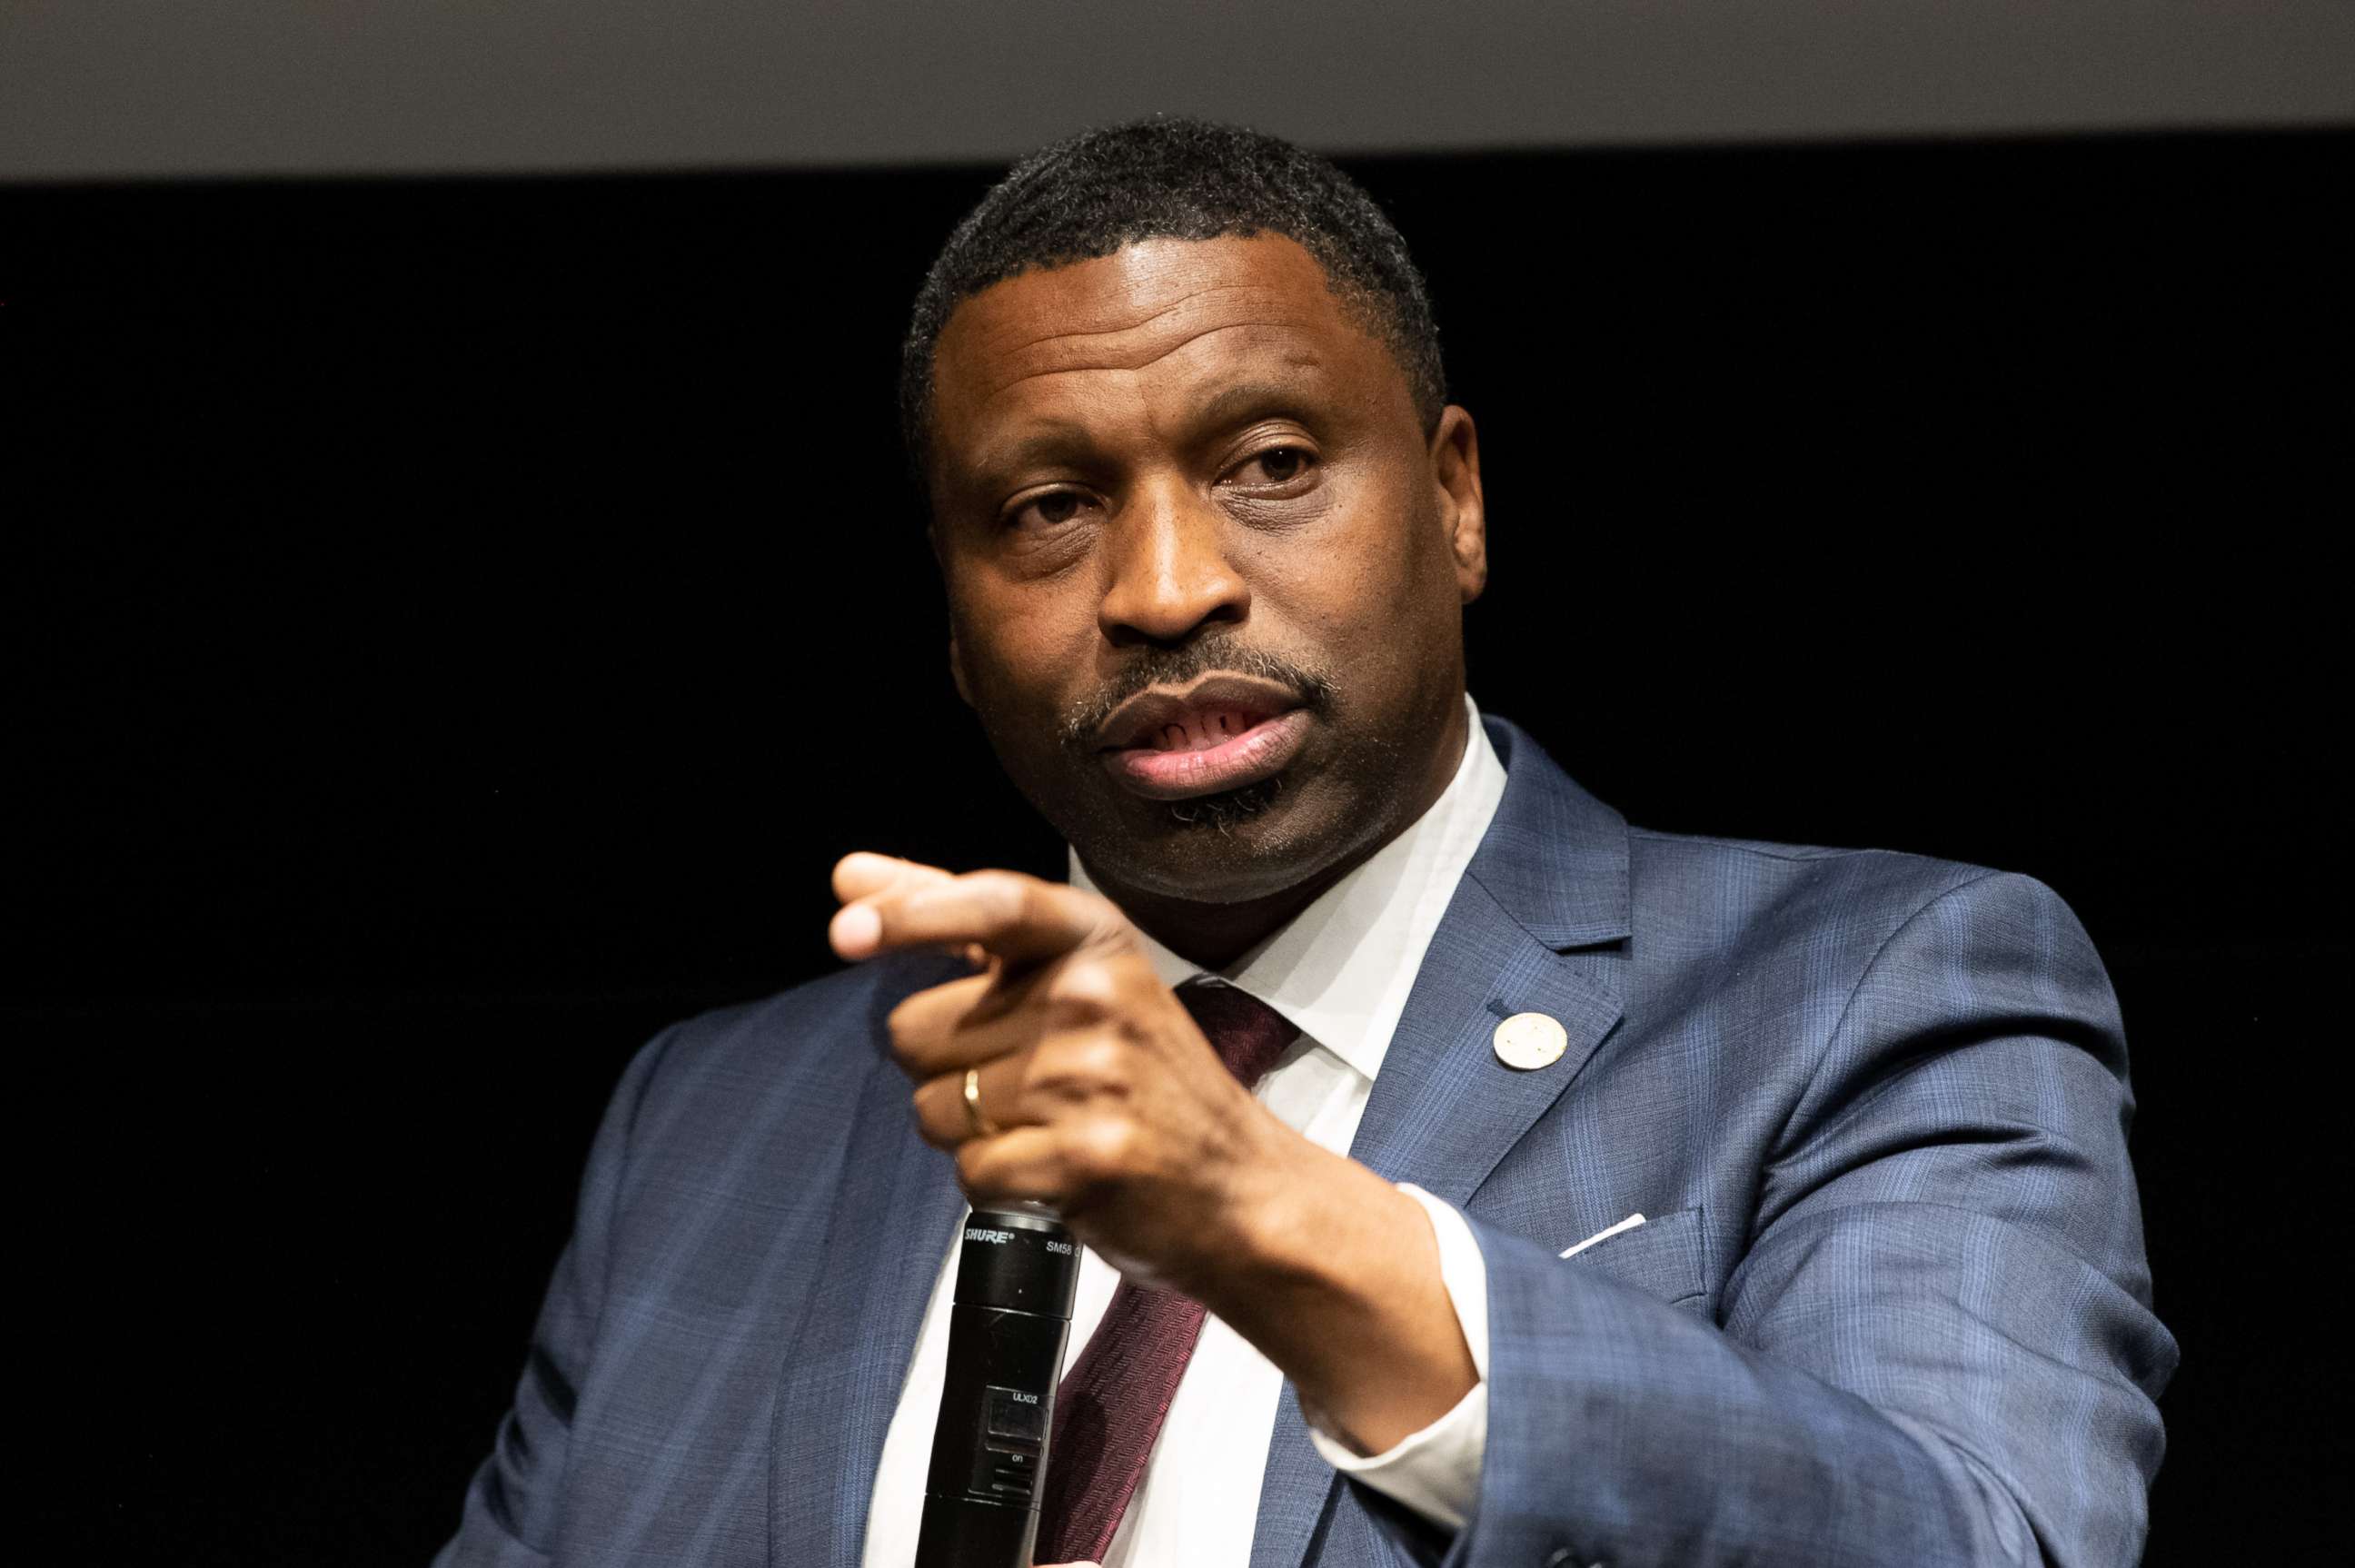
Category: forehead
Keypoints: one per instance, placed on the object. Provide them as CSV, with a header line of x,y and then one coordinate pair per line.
x,y
1158,319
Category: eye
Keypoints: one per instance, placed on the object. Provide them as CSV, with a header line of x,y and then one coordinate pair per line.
x,y
1276,465
1048,509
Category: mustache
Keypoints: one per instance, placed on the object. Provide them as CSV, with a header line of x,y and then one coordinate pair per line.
x,y
1178,667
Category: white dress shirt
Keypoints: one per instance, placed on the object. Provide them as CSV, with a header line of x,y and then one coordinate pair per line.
x,y
1340,971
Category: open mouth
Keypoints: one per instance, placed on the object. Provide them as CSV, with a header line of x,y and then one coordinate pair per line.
x,y
1223,732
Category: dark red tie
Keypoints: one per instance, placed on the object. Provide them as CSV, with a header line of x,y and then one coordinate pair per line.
x,y
1111,1404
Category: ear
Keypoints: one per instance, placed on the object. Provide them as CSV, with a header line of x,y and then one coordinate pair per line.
x,y
956,657
956,672
1456,472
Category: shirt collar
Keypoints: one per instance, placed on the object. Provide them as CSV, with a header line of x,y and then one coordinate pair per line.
x,y
1340,969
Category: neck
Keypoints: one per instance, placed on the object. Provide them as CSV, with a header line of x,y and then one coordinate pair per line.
x,y
1215,935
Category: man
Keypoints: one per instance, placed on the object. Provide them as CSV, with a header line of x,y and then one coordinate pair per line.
x,y
1600,1196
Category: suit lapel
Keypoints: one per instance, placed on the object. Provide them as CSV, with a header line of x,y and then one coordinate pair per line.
x,y
1550,875
893,1211
1445,1110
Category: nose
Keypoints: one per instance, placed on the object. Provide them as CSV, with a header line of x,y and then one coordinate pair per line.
x,y
1169,572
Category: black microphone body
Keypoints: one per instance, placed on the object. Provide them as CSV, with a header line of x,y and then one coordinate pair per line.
x,y
1017,1274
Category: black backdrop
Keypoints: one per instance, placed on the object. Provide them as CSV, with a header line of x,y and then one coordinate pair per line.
x,y
459,621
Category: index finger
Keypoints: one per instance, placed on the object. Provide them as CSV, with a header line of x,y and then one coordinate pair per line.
x,y
862,873
860,878
1019,919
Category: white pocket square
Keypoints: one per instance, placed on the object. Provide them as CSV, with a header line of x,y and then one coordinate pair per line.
x,y
1629,1223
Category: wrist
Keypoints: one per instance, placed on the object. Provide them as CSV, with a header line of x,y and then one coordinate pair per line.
x,y
1334,1276
1260,1246
1285,1223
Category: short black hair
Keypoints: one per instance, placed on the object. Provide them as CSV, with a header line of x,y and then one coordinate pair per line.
x,y
1173,177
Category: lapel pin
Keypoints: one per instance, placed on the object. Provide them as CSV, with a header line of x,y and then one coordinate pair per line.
x,y
1530,1040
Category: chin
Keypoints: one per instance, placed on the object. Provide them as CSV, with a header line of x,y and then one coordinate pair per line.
x,y
1246,844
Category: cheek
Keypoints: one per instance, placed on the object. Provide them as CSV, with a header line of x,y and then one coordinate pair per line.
x,y
1384,601
1016,649
1386,566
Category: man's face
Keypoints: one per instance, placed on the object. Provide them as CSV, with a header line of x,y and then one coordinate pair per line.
x,y
1205,574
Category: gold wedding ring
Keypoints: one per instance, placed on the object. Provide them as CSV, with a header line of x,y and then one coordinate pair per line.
x,y
983,1127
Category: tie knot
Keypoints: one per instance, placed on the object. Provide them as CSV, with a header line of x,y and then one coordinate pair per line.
x,y
1247,1033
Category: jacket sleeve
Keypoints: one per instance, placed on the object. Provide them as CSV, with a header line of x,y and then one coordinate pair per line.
x,y
1938,1348
511,1505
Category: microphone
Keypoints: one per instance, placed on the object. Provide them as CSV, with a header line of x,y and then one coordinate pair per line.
x,y
1016,1273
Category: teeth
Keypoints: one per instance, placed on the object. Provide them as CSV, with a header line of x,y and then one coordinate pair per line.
x,y
1202,731
1199,731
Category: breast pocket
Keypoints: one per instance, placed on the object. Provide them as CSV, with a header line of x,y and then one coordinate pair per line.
x,y
1666,1256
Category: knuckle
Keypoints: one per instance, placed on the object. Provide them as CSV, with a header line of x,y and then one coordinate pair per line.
x,y
907,1038
1102,1149
1105,1059
1000,896
1078,1067
932,1121
1112,931
1086,985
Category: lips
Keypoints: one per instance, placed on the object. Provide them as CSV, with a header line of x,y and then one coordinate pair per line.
x,y
1220,734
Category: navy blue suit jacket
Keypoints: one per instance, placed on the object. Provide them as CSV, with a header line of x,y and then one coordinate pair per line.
x,y
1889,1307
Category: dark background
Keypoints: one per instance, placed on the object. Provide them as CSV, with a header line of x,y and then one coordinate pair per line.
x,y
459,621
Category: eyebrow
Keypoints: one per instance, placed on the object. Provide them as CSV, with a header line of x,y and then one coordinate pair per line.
x,y
1249,400
1048,441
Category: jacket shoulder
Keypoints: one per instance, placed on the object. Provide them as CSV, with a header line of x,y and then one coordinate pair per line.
x,y
1830,913
1702,880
